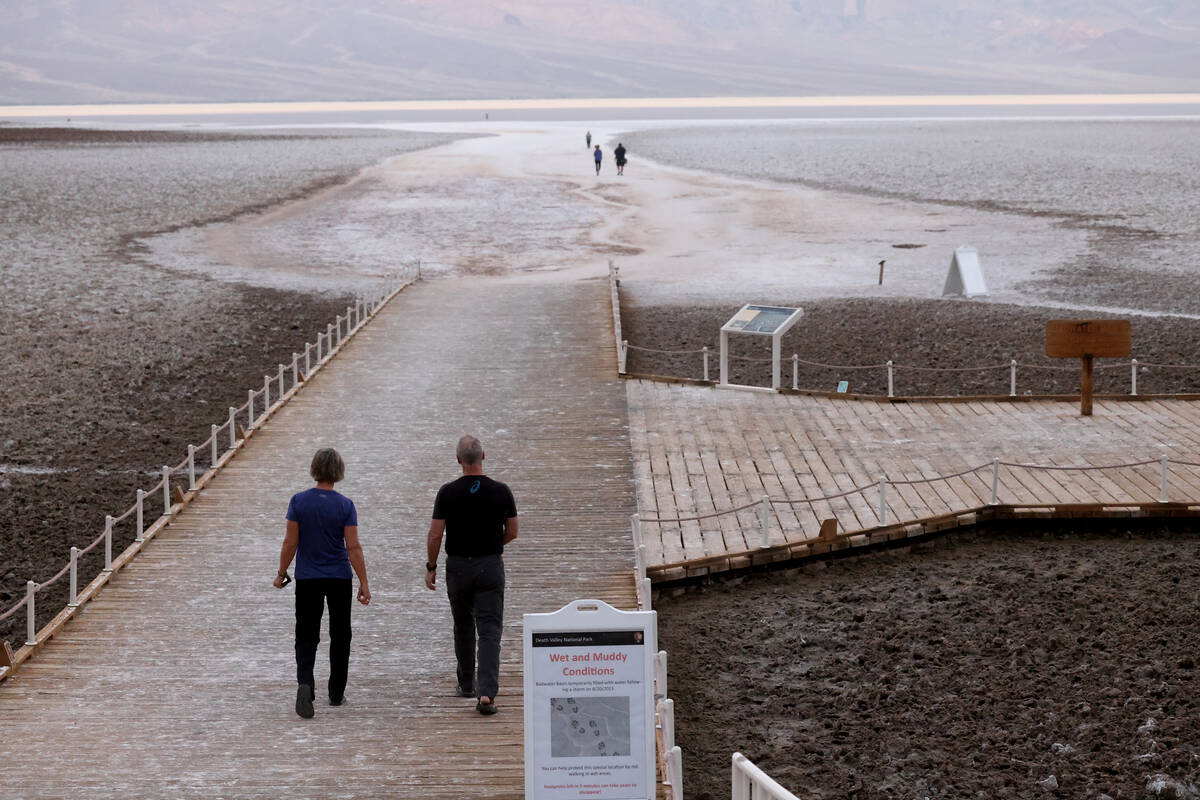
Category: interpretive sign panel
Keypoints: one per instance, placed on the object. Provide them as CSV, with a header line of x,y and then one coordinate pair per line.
x,y
773,321
589,703
1099,338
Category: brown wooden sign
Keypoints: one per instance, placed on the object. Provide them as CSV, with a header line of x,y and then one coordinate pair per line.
x,y
1088,339
1099,338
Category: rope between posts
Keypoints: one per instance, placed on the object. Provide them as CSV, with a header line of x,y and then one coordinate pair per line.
x,y
915,481
703,516
669,352
1088,468
840,366
15,609
951,369
1166,366
92,546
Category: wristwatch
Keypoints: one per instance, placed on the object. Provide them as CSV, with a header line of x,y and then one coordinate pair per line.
x,y
430,567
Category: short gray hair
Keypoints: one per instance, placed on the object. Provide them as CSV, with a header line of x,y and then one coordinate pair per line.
x,y
327,466
470,450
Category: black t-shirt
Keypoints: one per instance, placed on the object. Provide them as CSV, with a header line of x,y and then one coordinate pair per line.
x,y
475,508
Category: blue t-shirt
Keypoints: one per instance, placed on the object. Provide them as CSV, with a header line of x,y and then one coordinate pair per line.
x,y
322,515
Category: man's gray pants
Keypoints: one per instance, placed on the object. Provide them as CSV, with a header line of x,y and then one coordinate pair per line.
x,y
475,586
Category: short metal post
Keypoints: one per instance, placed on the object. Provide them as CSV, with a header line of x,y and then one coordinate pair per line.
x,y
882,500
1162,497
641,561
675,772
338,327
141,517
295,369
213,455
191,467
795,371
307,359
108,523
660,674
329,339
74,602
320,336
623,355
666,721
766,521
995,480
281,369
705,351
266,393
166,482
232,427
891,380
646,593
349,320
30,631
1133,377
1012,378
250,409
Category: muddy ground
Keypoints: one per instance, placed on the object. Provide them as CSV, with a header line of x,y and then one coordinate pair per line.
x,y
1003,665
943,334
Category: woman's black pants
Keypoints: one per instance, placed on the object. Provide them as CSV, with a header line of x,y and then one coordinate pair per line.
x,y
311,596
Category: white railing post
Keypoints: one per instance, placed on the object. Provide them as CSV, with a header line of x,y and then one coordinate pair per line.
x,y
675,772
30,622
266,393
666,722
191,467
882,500
320,336
891,379
1133,377
328,339
1012,378
660,674
795,371
705,351
108,525
141,517
349,320
766,521
213,455
281,369
307,359
995,480
166,482
647,588
741,782
295,369
250,408
418,269
622,355
1162,497
232,427
337,323
74,602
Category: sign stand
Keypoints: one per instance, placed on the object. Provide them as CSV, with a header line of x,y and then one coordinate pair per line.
x,y
1088,340
589,703
770,321
965,277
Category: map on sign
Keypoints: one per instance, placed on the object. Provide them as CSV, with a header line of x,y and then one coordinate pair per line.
x,y
589,726
760,319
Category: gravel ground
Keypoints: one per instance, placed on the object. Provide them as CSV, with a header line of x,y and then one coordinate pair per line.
x,y
1000,666
945,334
112,365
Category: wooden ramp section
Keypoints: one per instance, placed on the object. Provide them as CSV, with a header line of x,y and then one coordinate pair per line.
x,y
178,681
700,451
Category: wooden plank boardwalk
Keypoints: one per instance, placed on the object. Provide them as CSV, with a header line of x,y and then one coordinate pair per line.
x,y
178,681
700,450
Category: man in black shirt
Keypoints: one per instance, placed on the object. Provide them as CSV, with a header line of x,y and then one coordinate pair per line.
x,y
478,517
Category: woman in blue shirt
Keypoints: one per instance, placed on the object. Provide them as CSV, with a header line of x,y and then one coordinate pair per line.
x,y
322,535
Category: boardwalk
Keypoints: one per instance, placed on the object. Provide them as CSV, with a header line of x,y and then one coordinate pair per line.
x,y
700,450
177,681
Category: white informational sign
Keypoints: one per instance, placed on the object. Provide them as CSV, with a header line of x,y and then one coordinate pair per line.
x,y
966,276
772,321
589,703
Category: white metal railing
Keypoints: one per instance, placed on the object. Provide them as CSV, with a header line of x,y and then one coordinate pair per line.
x,y
670,756
260,404
751,783
876,494
891,367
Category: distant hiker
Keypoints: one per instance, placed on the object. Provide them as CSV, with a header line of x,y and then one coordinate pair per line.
x,y
619,155
599,157
478,517
322,535
588,138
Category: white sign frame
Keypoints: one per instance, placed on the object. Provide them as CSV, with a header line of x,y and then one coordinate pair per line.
x,y
965,277
631,777
736,324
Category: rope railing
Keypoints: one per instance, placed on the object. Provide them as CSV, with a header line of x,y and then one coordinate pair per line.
x,y
767,503
891,367
260,403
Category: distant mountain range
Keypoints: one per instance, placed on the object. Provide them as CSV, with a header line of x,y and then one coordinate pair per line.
x,y
70,51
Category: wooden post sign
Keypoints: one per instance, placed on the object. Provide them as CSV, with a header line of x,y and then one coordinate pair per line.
x,y
1087,340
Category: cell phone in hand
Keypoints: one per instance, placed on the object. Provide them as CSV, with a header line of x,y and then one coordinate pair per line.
x,y
286,580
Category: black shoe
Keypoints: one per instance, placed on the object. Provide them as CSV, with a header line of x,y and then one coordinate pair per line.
x,y
465,691
486,709
304,701
337,701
